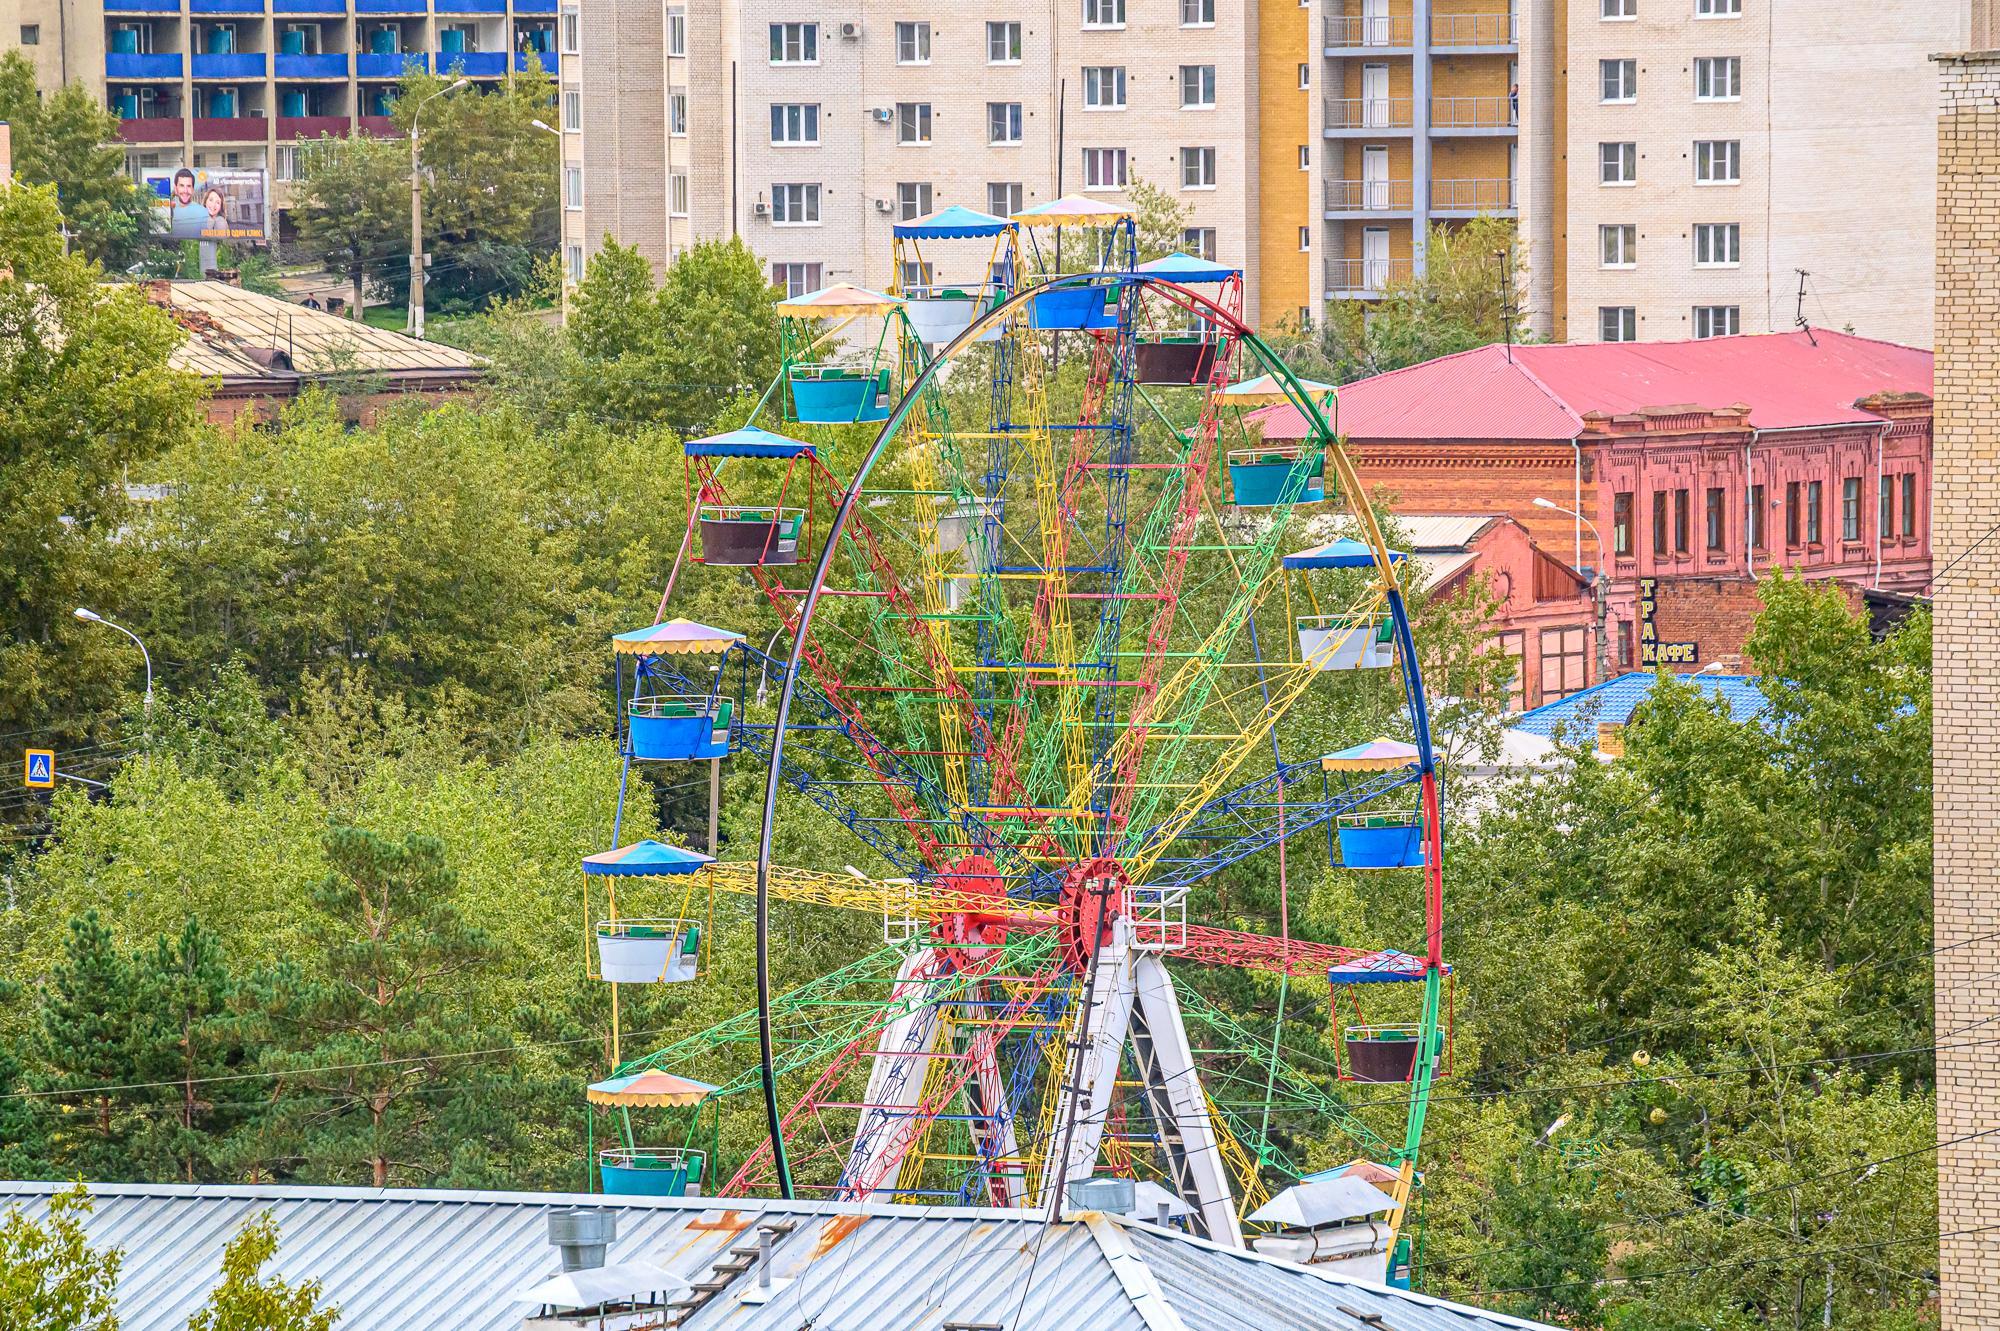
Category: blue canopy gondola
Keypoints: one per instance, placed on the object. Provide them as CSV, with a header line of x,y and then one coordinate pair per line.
x,y
1186,269
952,223
748,442
1385,967
645,859
1343,553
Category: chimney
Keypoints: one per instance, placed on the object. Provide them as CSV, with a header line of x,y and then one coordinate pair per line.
x,y
1611,739
1113,1196
159,290
581,1235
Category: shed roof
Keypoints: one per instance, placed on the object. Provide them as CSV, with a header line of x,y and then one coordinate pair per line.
x,y
232,334
449,1261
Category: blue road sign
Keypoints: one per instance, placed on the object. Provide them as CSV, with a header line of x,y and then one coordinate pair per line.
x,y
39,769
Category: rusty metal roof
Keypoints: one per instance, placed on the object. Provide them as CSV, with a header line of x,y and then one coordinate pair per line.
x,y
232,334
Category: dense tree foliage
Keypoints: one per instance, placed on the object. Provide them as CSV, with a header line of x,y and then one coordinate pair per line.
x,y
70,141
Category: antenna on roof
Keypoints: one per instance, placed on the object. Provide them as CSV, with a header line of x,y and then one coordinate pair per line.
x,y
1799,316
1506,304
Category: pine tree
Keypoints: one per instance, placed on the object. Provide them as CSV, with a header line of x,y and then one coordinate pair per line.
x,y
188,1034
23,1139
247,1301
378,1080
84,1044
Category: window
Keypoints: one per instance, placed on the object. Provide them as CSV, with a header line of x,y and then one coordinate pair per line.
x,y
1757,539
572,111
1885,525
569,27
1813,496
288,163
677,113
794,44
913,199
794,123
1618,9
1718,78
1712,511
677,31
1104,87
1850,509
31,34
1718,244
1618,80
795,279
1680,522
1564,654
1617,323
1197,13
1003,198
572,187
913,43
795,205
573,261
1197,87
1718,162
1103,13
1104,168
1618,245
1198,242
1621,523
916,276
1718,320
1659,524
1793,508
1003,43
1512,647
1718,8
1197,168
1617,163
913,122
1305,239
1003,122
1305,77
1305,157
677,194
1909,505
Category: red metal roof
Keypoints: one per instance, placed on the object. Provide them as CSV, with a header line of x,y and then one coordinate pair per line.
x,y
1544,392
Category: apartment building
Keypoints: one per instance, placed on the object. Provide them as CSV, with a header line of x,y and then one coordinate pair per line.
x,y
810,130
1729,166
240,83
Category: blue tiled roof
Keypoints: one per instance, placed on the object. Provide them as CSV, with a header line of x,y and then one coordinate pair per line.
x,y
1615,700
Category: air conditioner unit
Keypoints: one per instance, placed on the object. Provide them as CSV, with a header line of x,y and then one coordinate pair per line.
x,y
884,114
760,209
850,32
882,205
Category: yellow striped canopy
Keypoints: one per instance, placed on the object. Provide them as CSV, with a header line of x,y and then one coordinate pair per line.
x,y
1268,390
840,301
675,637
1073,210
651,1089
1377,755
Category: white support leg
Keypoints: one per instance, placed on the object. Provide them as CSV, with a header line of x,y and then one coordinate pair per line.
x,y
902,1060
1090,1066
991,1118
1173,1088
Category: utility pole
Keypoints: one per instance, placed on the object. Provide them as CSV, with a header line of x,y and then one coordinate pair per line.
x,y
417,214
562,239
1601,586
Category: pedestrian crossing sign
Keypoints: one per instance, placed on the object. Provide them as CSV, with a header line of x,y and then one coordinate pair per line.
x,y
39,769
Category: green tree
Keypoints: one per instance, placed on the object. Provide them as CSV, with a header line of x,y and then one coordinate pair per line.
x,y
51,1279
190,1037
380,1084
85,1046
1161,220
86,396
70,141
351,206
248,1300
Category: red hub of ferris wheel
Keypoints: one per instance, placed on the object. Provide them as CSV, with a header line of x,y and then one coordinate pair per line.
x,y
970,940
1093,897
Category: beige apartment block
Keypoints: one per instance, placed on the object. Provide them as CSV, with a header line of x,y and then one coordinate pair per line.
x,y
810,130
1715,148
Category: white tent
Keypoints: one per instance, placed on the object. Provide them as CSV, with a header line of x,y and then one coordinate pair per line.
x,y
1323,1202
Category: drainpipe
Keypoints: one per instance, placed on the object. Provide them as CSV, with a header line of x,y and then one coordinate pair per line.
x,y
1576,501
1881,442
1749,509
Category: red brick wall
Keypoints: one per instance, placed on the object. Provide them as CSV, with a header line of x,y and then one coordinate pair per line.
x,y
1479,477
1716,614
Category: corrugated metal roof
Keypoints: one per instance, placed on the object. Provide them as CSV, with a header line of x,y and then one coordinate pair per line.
x,y
1614,701
450,1261
225,323
1544,392
1429,533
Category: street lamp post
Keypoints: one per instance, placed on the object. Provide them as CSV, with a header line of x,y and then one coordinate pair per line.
x,y
417,214
562,234
1601,585
92,617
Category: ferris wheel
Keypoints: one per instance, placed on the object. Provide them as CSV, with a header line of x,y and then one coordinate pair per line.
x,y
1049,629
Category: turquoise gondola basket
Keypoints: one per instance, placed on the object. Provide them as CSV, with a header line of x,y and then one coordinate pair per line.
x,y
641,1171
671,729
835,395
1382,840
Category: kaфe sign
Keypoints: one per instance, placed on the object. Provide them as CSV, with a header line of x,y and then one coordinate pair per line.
x,y
1653,652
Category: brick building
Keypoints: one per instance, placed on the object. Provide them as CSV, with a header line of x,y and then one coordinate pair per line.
x,y
1966,717
1701,465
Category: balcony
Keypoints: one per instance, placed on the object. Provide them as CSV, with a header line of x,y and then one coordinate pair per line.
x,y
473,64
308,6
1355,117
1472,198
535,6
1474,117
1368,198
391,7
1364,279
549,61
235,65
1376,35
471,6
311,127
322,66
153,129
142,6
380,126
1495,34
225,6
388,65
142,65
230,129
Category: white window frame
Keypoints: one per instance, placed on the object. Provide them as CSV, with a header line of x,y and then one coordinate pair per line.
x,y
1203,12
782,35
1016,196
573,262
1733,157
913,42
913,199
569,27
1706,9
1625,65
572,189
677,114
1204,83
1706,67
1627,164
1097,174
1628,322
1103,15
1202,160
807,116
288,162
1618,245
913,124
677,30
1706,316
1095,78
677,194
1713,238
572,111
1305,77
1007,34
1010,119
796,279
1305,240
1305,157
1198,242
807,199
1618,11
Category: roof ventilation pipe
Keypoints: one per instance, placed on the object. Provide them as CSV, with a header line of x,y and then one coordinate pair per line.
x,y
582,1234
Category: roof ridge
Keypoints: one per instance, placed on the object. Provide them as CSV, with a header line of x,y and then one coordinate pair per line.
x,y
1575,417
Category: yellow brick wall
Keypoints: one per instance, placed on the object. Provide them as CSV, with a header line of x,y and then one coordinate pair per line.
x,y
1284,193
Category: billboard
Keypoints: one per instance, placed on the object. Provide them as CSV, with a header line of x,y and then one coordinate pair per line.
x,y
202,203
